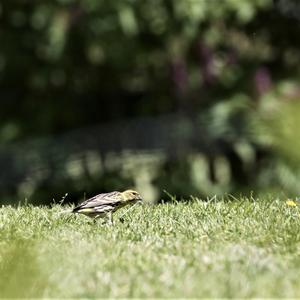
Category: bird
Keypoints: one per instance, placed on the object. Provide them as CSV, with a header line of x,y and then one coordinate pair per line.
x,y
105,204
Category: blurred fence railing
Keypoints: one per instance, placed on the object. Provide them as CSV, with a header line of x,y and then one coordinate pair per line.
x,y
48,157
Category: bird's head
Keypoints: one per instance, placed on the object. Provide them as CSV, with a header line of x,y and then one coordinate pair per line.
x,y
131,196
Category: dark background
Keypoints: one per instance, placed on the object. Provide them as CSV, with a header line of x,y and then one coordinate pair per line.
x,y
195,97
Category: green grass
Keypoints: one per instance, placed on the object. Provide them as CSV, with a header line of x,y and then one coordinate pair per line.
x,y
246,248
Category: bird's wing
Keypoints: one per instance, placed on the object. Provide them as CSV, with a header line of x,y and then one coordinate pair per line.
x,y
101,199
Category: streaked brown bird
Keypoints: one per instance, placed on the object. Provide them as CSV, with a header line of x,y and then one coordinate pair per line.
x,y
104,205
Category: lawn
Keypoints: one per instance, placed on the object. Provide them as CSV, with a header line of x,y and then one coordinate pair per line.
x,y
219,248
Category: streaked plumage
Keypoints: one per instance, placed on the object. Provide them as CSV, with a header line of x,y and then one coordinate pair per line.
x,y
103,205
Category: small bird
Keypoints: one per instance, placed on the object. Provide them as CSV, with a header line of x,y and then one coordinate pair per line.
x,y
104,205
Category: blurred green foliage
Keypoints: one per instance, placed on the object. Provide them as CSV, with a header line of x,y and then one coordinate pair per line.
x,y
21,275
70,64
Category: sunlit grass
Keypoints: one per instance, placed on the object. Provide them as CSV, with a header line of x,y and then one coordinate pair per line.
x,y
219,248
